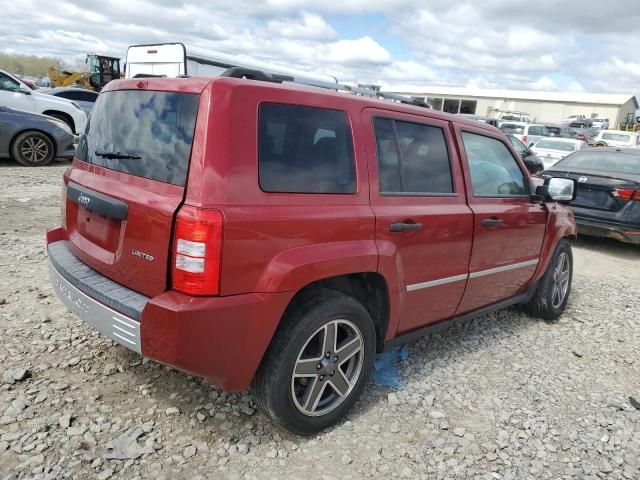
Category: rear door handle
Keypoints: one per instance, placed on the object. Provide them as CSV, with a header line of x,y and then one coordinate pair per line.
x,y
405,227
491,222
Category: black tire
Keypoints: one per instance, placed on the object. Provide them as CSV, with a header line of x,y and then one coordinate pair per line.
x,y
33,149
63,118
275,387
545,304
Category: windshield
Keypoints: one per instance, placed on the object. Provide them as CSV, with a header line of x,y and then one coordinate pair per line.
x,y
147,134
622,162
554,130
556,145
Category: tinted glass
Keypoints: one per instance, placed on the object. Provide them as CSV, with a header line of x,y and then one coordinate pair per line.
x,y
623,162
87,96
518,146
155,126
616,137
414,161
511,128
554,130
305,150
556,145
536,131
494,171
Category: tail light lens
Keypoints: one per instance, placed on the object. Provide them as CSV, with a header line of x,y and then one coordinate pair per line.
x,y
197,250
626,194
524,139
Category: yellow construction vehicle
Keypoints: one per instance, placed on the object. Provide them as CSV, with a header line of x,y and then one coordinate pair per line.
x,y
101,70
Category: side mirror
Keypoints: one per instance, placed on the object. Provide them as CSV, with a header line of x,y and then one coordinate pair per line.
x,y
557,189
24,90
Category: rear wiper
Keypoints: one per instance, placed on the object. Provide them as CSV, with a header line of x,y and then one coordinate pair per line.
x,y
116,155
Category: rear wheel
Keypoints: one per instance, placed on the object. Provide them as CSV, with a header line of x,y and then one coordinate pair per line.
x,y
33,149
551,295
317,364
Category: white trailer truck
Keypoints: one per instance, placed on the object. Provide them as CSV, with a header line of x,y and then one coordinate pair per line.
x,y
176,59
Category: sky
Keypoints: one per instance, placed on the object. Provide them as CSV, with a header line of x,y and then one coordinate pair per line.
x,y
574,46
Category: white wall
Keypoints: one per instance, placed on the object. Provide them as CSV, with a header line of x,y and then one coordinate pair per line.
x,y
549,112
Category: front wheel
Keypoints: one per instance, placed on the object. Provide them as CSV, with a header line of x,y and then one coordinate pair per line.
x,y
318,363
551,295
33,149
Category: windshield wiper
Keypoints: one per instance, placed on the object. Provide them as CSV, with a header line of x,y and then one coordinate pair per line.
x,y
117,155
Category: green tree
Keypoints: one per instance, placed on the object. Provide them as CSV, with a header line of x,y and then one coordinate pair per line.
x,y
30,65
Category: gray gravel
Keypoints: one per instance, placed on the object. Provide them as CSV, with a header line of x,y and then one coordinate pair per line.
x,y
503,397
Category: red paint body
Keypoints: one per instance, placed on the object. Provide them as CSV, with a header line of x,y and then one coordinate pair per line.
x,y
274,244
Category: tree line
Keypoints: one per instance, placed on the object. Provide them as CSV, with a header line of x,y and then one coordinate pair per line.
x,y
29,65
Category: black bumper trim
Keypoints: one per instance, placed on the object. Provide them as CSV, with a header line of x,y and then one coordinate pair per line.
x,y
93,284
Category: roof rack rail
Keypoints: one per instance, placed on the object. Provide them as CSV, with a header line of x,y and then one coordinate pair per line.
x,y
260,75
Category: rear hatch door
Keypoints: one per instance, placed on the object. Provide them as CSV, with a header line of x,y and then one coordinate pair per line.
x,y
127,183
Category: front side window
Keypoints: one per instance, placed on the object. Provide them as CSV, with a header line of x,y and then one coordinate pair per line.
x,y
494,171
8,83
305,150
518,146
412,158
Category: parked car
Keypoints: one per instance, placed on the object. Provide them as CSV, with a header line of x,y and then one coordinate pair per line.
x,y
563,131
600,123
16,94
552,150
83,97
296,238
509,116
607,203
578,121
617,138
587,135
480,118
531,161
527,133
33,139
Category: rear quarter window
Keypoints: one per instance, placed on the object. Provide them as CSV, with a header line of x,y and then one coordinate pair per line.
x,y
156,127
305,149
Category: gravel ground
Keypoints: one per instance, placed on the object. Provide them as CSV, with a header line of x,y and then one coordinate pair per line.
x,y
503,397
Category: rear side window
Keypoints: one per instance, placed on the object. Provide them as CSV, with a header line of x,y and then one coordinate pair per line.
x,y
142,133
494,171
412,158
305,150
537,131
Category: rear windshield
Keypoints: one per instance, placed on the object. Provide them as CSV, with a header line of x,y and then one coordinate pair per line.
x,y
555,130
556,145
622,162
616,137
511,128
154,128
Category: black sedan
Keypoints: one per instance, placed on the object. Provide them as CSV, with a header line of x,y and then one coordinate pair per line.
x,y
33,139
607,202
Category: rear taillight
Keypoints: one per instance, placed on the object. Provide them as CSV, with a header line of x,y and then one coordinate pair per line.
x,y
524,139
625,194
196,251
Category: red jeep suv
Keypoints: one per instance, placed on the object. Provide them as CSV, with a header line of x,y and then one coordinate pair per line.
x,y
266,234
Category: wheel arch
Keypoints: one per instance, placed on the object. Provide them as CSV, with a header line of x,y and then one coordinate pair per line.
x,y
68,117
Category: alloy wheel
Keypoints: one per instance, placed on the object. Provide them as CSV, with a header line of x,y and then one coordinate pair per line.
x,y
34,149
561,274
327,368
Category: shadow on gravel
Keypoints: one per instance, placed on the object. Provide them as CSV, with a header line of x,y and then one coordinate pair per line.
x,y
10,163
609,246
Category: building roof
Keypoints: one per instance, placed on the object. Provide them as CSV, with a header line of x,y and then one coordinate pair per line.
x,y
564,97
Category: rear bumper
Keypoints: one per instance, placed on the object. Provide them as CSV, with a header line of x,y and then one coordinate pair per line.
x,y
222,339
623,233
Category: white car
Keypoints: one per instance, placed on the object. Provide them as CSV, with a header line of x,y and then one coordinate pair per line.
x,y
601,123
552,150
617,138
527,133
16,94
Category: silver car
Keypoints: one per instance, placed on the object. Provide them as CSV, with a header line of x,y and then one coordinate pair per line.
x,y
83,97
527,133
